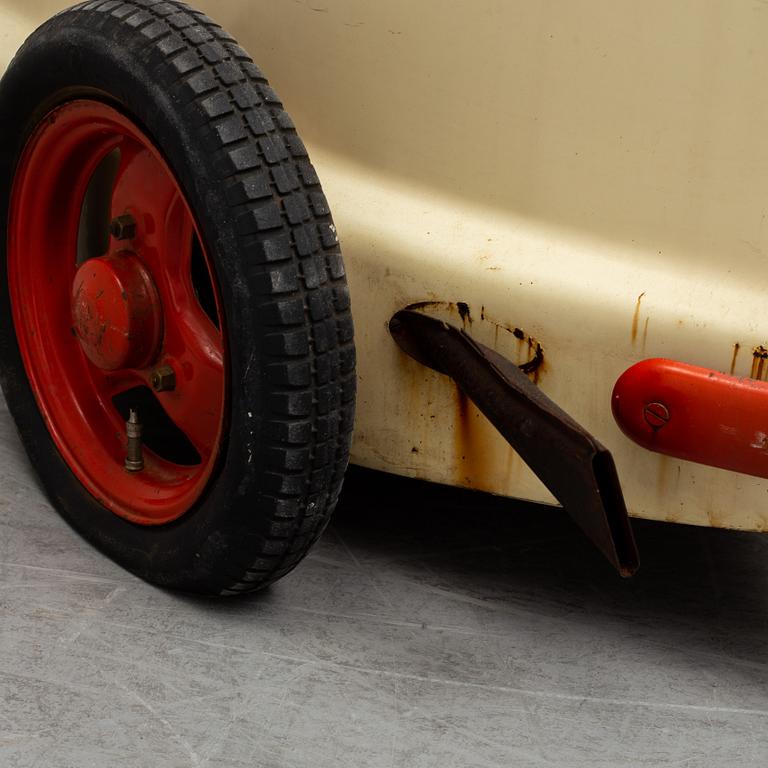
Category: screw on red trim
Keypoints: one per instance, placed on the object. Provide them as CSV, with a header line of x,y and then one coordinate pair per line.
x,y
656,415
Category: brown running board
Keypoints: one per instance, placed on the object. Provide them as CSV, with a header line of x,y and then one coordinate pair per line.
x,y
573,465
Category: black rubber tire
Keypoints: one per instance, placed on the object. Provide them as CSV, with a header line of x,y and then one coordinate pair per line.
x,y
268,229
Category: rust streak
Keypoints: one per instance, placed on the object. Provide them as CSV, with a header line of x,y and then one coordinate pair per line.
x,y
537,359
759,356
430,305
533,367
461,306
736,348
636,317
462,439
645,333
470,446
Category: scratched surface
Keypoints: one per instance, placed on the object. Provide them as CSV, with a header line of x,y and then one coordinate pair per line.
x,y
428,628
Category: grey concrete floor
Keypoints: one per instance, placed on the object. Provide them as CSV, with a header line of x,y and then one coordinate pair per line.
x,y
428,628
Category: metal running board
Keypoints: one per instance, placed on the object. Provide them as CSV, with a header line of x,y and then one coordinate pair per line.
x,y
573,465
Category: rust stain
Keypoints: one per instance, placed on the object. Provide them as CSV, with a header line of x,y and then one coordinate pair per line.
x,y
460,306
431,305
462,436
533,367
736,348
714,517
538,357
636,317
539,371
759,357
645,333
470,446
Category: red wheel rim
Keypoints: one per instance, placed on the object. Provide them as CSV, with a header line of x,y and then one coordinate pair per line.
x,y
93,331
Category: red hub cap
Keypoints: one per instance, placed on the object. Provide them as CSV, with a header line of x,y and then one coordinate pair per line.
x,y
106,325
116,311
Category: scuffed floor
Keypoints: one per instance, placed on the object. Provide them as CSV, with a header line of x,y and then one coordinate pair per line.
x,y
428,628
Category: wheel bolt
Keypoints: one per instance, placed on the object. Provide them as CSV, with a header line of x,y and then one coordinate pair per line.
x,y
123,227
134,460
163,379
656,415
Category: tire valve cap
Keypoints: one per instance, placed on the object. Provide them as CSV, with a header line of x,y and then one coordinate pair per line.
x,y
134,461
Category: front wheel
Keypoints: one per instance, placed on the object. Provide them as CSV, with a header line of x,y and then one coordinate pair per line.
x,y
175,334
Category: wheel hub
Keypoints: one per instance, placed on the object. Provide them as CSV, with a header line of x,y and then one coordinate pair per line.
x,y
116,312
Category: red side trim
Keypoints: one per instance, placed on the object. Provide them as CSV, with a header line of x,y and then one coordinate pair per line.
x,y
695,414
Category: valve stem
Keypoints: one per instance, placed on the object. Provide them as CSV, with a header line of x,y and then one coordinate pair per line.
x,y
134,461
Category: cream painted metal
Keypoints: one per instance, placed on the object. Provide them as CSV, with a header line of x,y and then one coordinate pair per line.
x,y
594,173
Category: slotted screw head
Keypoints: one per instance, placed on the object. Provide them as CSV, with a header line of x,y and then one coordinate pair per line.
x,y
163,379
656,415
123,227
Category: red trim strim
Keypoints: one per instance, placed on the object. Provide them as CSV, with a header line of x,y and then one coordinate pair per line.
x,y
695,414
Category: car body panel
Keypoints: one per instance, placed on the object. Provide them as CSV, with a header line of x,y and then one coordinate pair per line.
x,y
591,177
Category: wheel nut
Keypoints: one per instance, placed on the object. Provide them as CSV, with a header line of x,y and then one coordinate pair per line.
x,y
163,379
656,415
123,227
